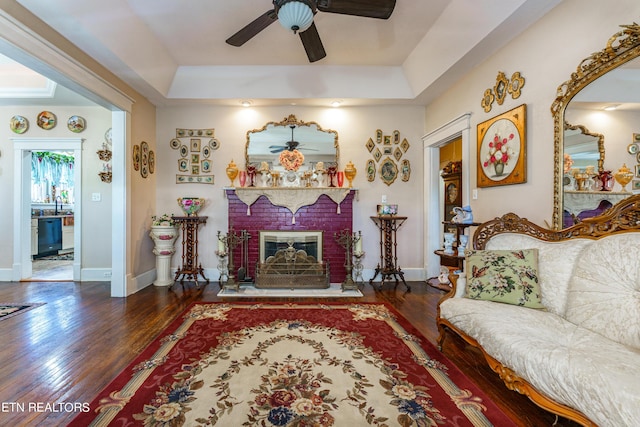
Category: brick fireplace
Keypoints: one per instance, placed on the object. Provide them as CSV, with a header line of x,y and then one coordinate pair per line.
x,y
324,214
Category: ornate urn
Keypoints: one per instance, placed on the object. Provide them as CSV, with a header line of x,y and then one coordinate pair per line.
x,y
350,173
624,176
232,172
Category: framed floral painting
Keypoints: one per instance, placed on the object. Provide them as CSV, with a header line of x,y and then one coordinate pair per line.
x,y
502,149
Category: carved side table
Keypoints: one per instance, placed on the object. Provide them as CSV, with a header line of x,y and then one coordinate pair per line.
x,y
388,265
190,268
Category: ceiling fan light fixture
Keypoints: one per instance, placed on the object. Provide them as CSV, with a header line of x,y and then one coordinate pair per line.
x,y
295,15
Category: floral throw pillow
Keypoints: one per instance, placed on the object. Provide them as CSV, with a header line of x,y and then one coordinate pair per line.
x,y
505,276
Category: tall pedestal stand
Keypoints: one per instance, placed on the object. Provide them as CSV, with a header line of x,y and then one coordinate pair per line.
x,y
190,268
388,265
347,240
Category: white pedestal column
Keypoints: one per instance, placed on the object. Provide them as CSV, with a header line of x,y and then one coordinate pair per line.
x,y
164,238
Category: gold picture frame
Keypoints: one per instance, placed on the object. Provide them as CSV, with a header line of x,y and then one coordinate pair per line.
x,y
502,149
388,170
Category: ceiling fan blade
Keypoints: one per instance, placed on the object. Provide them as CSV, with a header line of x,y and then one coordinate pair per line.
x,y
381,9
312,43
253,28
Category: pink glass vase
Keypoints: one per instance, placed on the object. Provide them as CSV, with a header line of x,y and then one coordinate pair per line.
x,y
242,176
340,178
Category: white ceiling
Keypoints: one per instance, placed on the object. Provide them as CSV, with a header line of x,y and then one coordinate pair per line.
x,y
175,52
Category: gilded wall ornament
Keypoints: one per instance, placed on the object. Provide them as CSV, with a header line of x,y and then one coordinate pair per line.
x,y
499,91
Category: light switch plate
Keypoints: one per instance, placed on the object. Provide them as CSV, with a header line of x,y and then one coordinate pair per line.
x,y
96,197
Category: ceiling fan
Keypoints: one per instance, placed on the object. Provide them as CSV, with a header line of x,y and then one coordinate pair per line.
x,y
289,145
297,15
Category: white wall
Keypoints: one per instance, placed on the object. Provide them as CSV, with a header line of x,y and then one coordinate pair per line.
x,y
545,54
355,125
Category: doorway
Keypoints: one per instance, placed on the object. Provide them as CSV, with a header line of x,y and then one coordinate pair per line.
x,y
23,237
433,193
52,220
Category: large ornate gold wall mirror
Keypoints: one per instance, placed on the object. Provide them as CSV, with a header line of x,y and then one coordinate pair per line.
x,y
605,78
315,143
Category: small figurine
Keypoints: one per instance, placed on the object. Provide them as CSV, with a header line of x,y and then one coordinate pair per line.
x,y
462,215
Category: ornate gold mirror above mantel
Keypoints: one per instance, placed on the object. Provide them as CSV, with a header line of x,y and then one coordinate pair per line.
x,y
593,86
315,143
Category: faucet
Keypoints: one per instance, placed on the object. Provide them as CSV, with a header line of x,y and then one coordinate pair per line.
x,y
58,198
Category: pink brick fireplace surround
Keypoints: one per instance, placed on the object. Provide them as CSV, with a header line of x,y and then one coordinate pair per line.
x,y
322,215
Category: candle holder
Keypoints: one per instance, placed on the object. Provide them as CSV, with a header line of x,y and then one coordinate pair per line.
x,y
231,241
358,267
347,239
222,259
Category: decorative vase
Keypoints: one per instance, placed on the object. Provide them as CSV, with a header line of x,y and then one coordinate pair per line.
x,y
624,176
350,172
340,176
232,172
164,237
242,178
606,181
449,238
264,178
251,174
462,244
331,172
191,205
499,167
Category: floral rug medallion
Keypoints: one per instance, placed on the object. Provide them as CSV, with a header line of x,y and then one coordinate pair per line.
x,y
292,365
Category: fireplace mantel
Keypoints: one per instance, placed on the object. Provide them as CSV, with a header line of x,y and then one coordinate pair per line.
x,y
290,197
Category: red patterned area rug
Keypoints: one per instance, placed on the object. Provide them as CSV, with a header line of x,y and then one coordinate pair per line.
x,y
292,365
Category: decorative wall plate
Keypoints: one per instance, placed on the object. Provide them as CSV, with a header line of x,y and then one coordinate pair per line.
x,y
405,170
206,151
214,143
107,136
371,170
76,124
174,143
183,165
184,151
136,157
19,124
152,161
47,120
632,148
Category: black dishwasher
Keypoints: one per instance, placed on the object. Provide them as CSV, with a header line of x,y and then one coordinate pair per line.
x,y
49,236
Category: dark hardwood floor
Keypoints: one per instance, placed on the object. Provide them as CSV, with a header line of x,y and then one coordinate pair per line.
x,y
70,348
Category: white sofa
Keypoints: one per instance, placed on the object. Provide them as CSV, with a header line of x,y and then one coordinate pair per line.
x,y
579,357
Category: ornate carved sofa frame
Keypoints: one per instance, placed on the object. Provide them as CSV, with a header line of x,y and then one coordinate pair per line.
x,y
623,218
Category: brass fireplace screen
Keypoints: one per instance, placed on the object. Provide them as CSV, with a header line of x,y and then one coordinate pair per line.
x,y
291,259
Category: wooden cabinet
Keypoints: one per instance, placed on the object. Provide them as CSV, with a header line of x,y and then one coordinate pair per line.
x,y
452,197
